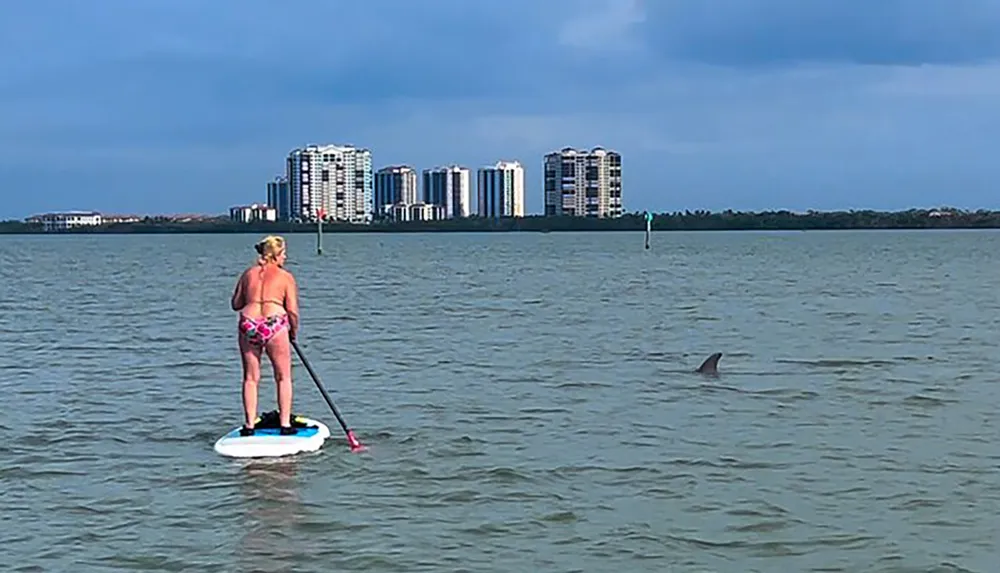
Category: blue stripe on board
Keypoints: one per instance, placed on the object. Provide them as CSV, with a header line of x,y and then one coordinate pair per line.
x,y
269,432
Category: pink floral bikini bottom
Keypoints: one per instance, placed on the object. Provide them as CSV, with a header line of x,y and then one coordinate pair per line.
x,y
259,331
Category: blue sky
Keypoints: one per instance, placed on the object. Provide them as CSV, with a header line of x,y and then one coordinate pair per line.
x,y
163,106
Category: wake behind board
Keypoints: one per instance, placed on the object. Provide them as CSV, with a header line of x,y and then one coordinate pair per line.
x,y
267,440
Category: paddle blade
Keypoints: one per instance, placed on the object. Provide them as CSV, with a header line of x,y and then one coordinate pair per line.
x,y
354,443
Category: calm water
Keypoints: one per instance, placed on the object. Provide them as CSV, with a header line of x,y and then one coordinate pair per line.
x,y
528,399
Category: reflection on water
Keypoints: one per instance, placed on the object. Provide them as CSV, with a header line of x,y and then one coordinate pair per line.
x,y
270,489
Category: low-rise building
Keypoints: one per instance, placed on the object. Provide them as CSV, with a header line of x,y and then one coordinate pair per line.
x,y
415,212
116,219
253,213
65,220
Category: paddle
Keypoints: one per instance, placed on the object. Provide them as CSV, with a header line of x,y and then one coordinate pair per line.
x,y
351,439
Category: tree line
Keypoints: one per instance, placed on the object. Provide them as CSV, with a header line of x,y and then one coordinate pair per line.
x,y
728,220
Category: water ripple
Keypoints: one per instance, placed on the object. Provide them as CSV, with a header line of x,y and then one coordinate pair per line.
x,y
529,401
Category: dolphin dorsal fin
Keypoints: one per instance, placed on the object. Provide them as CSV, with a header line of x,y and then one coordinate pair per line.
x,y
710,365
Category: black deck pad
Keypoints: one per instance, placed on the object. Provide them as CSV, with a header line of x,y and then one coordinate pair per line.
x,y
271,420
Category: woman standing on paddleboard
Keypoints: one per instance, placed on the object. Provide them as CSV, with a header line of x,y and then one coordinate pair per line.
x,y
267,300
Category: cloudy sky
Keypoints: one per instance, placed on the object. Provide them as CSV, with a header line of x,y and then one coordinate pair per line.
x,y
153,106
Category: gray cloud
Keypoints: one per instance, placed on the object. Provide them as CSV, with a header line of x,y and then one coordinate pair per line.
x,y
780,32
715,104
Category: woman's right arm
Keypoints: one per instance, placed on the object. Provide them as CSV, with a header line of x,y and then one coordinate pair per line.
x,y
237,301
292,306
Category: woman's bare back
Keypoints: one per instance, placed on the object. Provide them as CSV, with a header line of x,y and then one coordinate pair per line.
x,y
265,291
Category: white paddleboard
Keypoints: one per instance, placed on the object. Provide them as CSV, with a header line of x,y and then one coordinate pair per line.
x,y
268,442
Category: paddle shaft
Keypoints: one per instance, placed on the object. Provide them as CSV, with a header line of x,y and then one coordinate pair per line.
x,y
312,373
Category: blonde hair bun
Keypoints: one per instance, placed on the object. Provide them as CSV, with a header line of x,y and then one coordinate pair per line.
x,y
270,247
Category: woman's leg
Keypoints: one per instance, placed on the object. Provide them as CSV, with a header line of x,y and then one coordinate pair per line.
x,y
251,377
279,351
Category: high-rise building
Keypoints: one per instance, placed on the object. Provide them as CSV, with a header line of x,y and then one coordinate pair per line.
x,y
396,184
279,198
448,188
583,183
334,179
501,190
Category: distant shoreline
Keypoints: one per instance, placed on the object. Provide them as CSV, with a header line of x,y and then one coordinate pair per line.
x,y
633,222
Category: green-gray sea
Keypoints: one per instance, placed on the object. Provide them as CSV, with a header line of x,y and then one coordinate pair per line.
x,y
529,401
